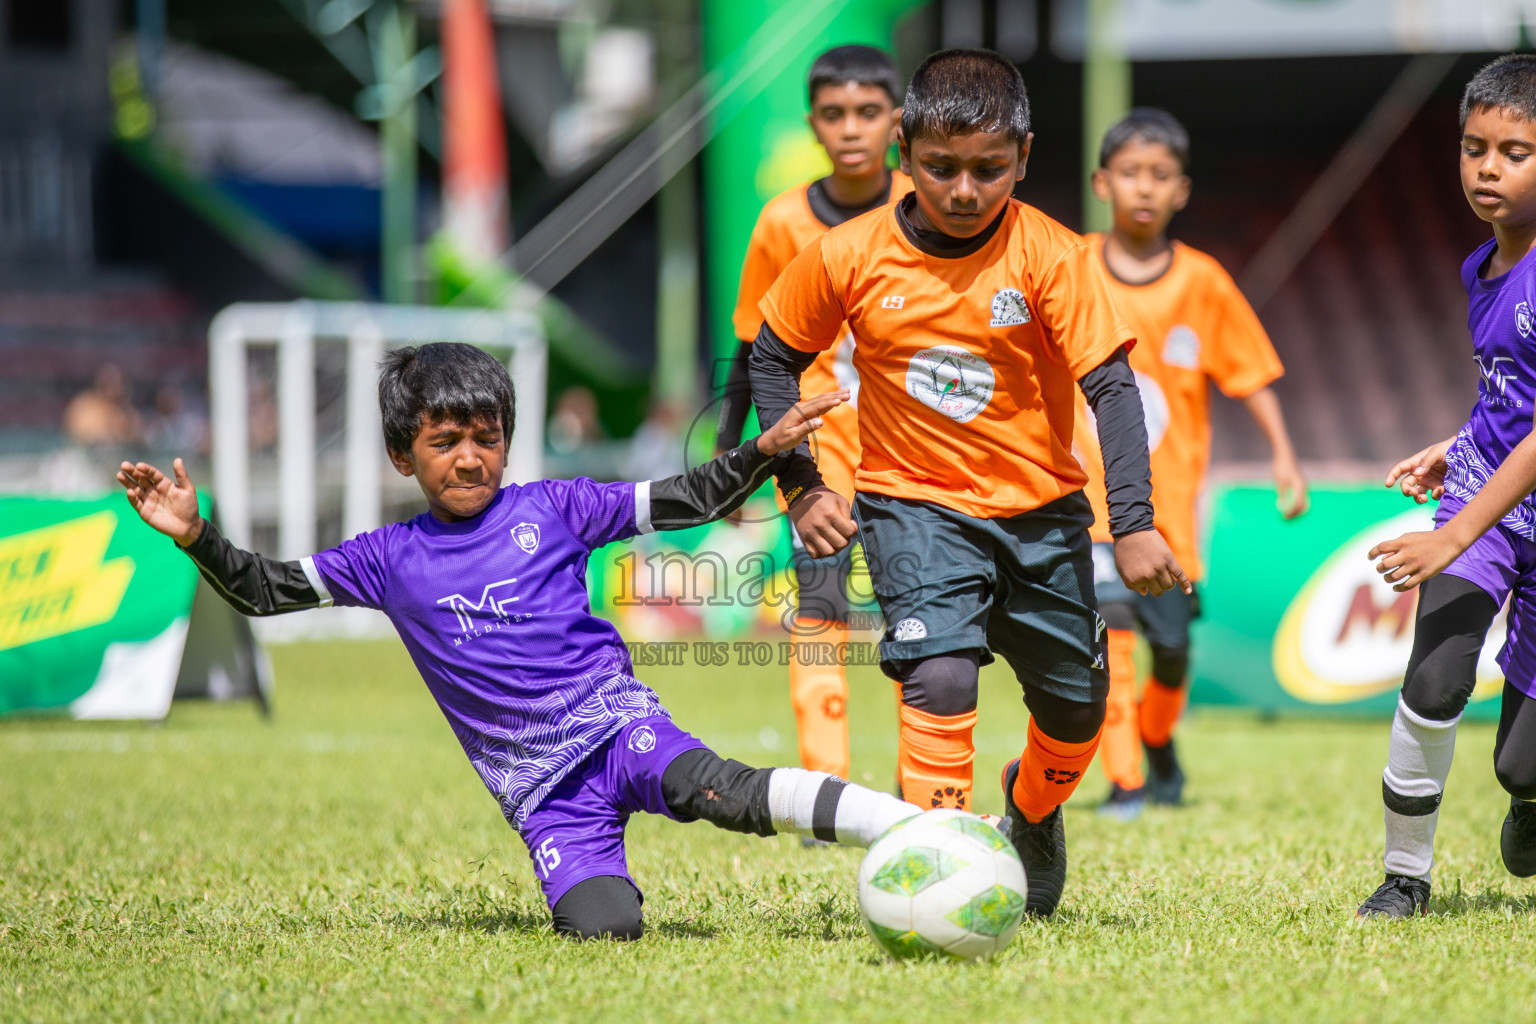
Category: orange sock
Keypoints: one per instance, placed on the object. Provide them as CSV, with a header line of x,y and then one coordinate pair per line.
x,y
819,694
1161,706
1121,756
935,758
1049,771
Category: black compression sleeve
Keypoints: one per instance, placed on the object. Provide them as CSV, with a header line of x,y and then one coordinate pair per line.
x,y
1116,403
251,583
776,370
707,492
735,402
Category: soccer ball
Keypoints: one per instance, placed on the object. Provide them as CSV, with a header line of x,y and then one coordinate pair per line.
x,y
943,882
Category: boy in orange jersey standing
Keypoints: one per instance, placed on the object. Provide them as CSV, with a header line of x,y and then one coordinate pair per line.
x,y
1193,327
855,108
976,318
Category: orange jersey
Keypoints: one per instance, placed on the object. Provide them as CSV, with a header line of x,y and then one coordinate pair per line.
x,y
967,365
786,226
1194,327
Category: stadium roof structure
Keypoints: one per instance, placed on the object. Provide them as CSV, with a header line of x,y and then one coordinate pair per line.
x,y
229,119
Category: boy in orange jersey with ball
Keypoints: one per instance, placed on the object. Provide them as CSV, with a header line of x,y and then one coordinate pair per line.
x,y
854,113
1193,327
976,320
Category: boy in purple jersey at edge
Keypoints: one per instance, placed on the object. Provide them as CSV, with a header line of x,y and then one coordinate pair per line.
x,y
488,591
1483,547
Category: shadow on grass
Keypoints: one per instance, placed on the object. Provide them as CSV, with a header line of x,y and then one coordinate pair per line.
x,y
1459,903
487,922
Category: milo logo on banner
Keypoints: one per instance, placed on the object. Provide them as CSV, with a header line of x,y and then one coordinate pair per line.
x,y
57,579
1347,634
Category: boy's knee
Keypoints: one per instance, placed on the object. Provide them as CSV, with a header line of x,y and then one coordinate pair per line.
x,y
1517,776
606,907
943,685
1170,665
1069,721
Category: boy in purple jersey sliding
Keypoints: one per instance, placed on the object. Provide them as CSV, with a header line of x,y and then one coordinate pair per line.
x,y
1483,548
488,591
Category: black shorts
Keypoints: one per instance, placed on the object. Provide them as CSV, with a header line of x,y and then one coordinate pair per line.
x,y
1020,586
1164,620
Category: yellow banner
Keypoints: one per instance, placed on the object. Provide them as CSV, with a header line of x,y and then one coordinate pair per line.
x,y
54,580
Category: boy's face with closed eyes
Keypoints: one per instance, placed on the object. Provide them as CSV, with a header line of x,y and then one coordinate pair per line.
x,y
1498,166
963,181
458,465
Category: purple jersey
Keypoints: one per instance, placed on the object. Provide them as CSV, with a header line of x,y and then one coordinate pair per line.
x,y
1501,313
495,613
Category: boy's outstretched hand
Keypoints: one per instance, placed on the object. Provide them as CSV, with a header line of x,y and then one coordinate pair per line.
x,y
1411,559
1147,566
168,505
1422,476
797,424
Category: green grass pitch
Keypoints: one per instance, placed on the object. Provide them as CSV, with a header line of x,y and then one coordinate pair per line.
x,y
342,862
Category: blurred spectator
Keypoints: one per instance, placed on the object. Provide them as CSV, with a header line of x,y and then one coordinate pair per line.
x,y
261,424
102,414
177,428
574,423
656,450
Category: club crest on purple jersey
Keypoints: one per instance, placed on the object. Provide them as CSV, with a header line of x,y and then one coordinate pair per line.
x,y
1523,319
642,740
527,536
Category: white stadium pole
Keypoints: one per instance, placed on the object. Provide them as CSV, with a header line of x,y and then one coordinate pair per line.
x,y
230,422
296,434
362,506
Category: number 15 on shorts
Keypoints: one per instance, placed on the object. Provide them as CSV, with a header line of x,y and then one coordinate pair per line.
x,y
547,857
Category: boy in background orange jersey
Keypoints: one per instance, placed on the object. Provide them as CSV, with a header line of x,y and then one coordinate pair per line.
x,y
1193,327
976,318
854,113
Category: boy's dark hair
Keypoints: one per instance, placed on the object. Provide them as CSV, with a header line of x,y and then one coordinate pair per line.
x,y
444,381
1150,125
862,65
961,92
1509,83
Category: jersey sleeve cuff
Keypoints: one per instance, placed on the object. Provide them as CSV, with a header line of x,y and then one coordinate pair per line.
x,y
643,508
312,573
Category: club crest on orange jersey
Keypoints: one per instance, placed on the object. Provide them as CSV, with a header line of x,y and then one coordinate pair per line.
x,y
1009,308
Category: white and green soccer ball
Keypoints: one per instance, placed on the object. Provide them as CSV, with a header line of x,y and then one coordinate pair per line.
x,y
942,883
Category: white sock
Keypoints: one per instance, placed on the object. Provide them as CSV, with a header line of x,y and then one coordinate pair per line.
x,y
825,807
1418,761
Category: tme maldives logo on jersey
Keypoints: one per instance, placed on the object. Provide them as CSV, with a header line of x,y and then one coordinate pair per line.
x,y
951,380
1347,634
492,611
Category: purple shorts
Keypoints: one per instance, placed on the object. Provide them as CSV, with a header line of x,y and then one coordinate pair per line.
x,y
1503,564
577,831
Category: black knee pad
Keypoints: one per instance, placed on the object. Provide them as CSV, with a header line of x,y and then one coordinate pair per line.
x,y
1450,625
943,685
1170,666
1069,721
823,586
1118,615
699,784
605,907
1517,776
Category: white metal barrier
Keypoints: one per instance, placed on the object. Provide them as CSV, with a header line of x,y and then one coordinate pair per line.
x,y
368,331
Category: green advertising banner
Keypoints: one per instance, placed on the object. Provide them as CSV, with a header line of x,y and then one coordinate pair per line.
x,y
1294,617
768,147
95,612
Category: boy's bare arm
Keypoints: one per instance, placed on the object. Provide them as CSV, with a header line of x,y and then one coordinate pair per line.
x,y
1290,484
251,583
1411,559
